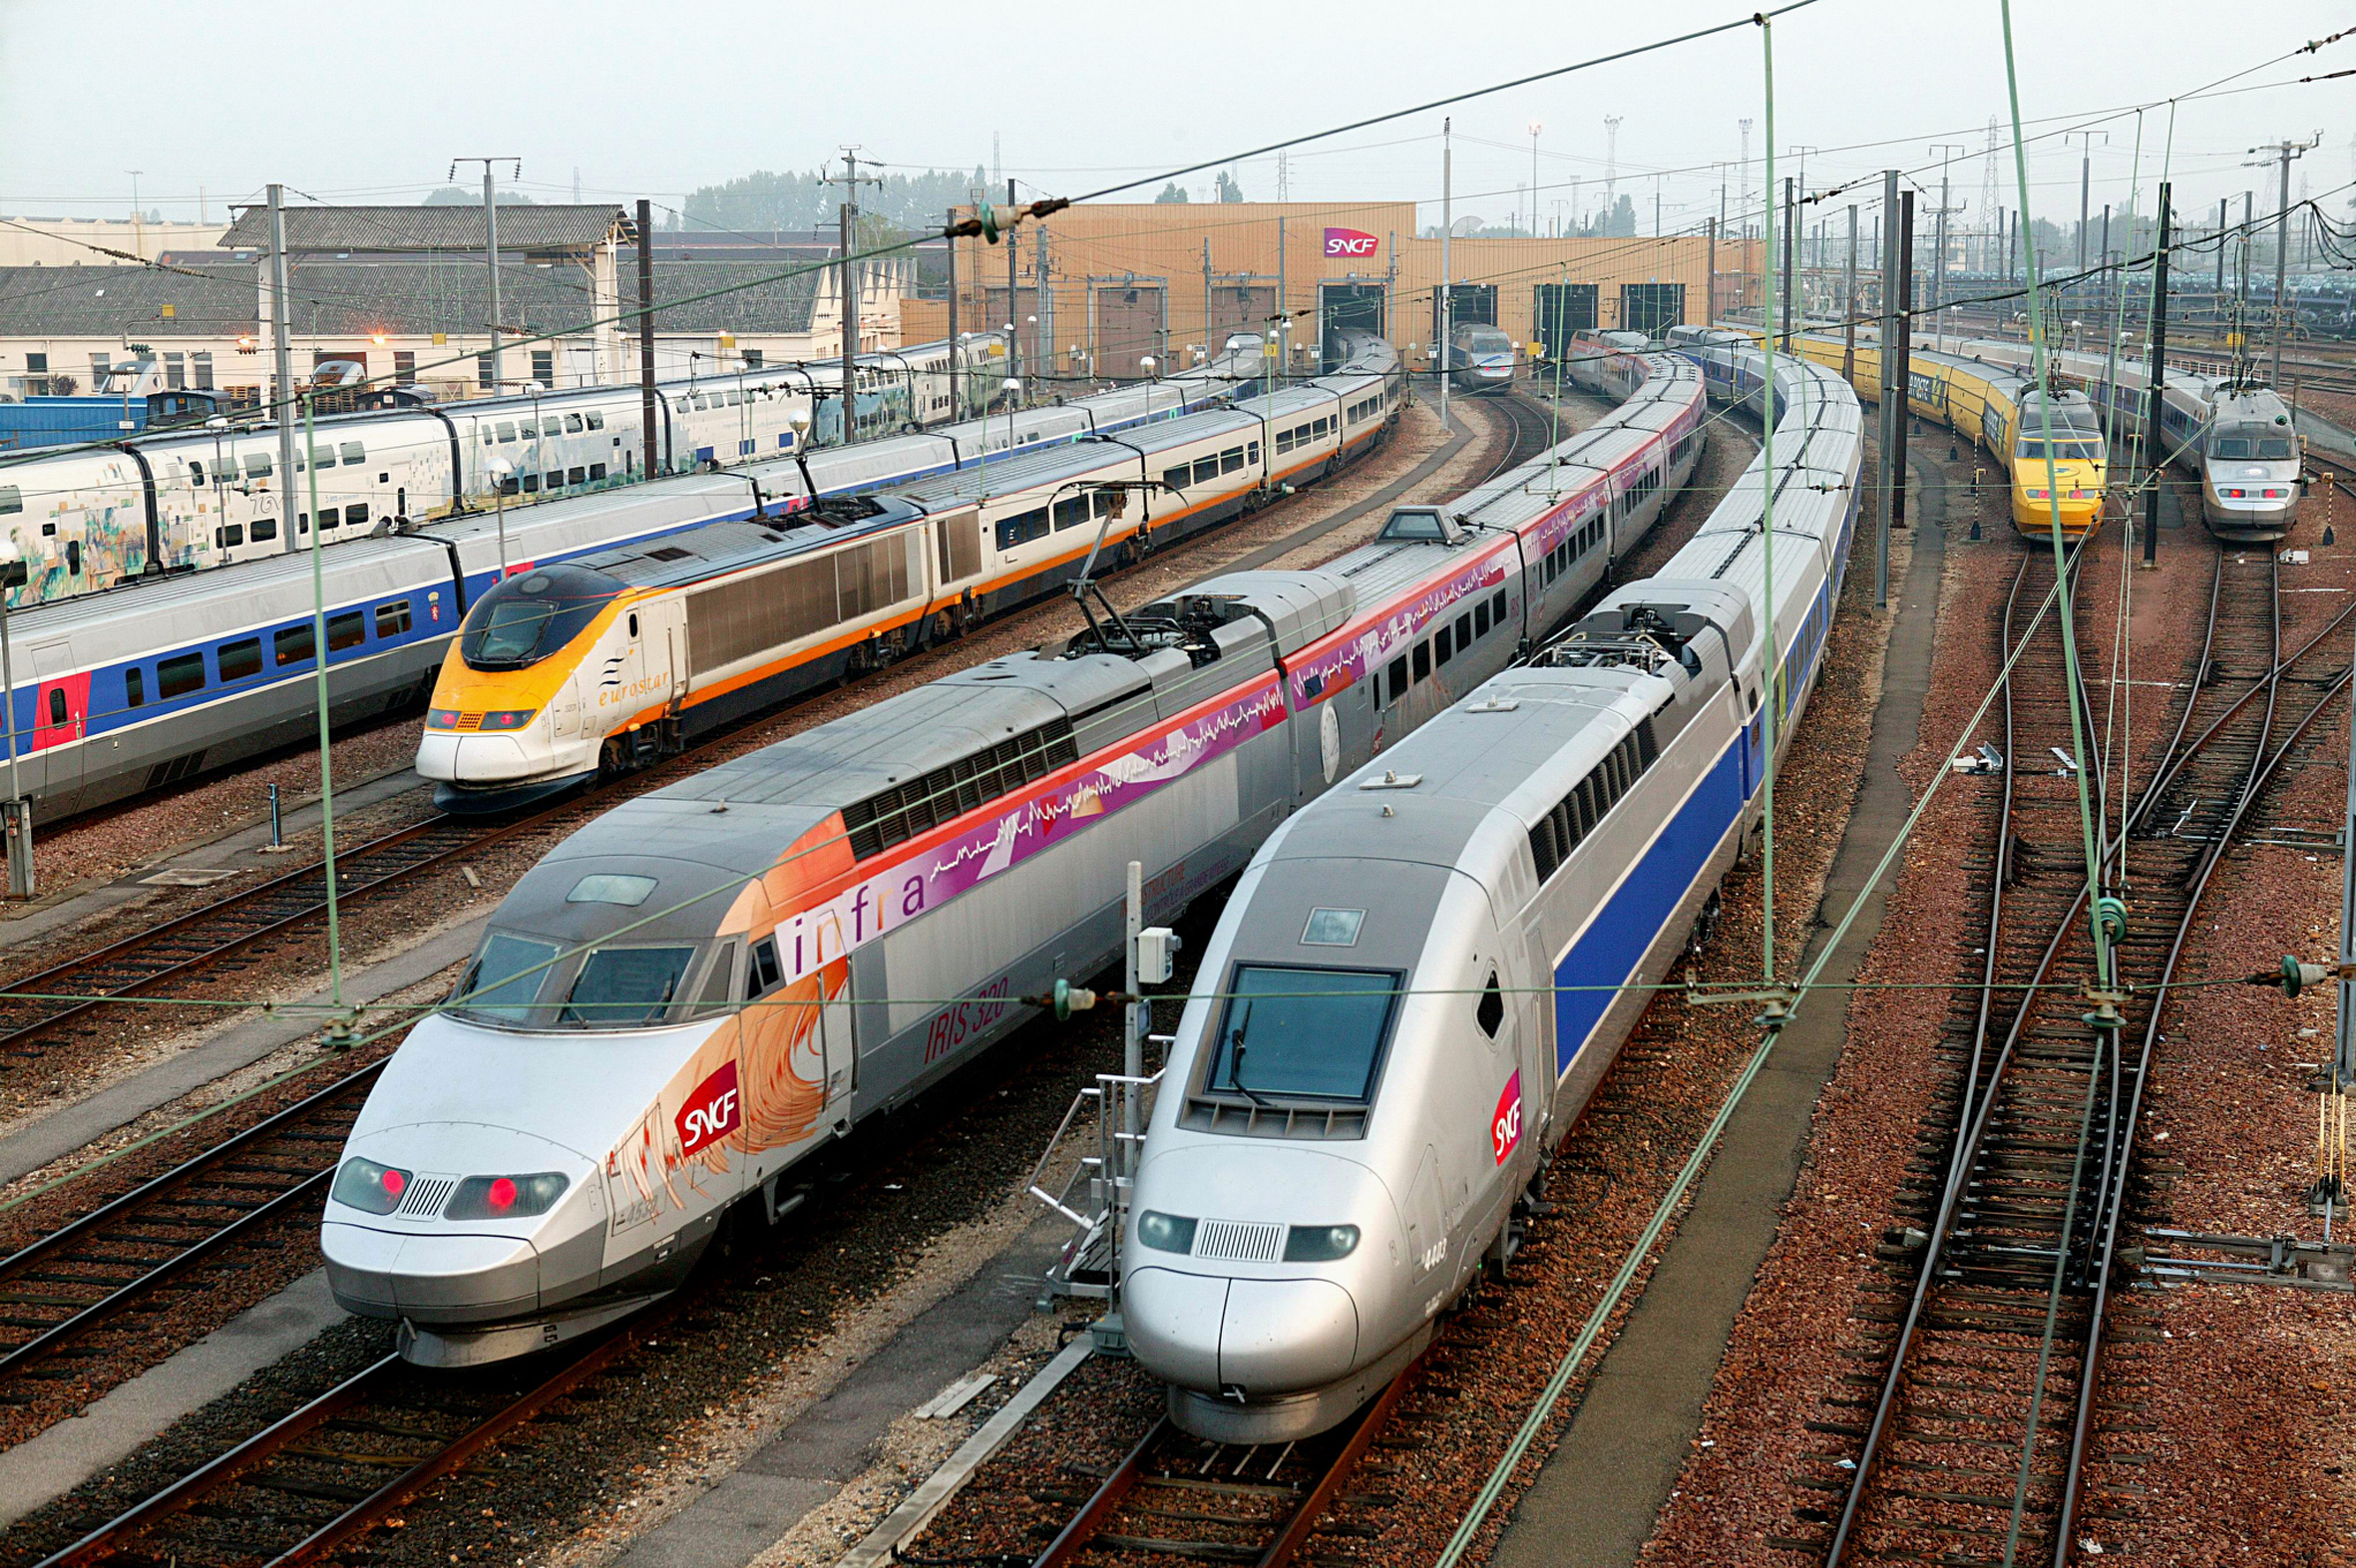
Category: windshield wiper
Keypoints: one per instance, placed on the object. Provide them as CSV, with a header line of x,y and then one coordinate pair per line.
x,y
1234,1061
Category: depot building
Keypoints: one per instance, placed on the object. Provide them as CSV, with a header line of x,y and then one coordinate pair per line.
x,y
1097,291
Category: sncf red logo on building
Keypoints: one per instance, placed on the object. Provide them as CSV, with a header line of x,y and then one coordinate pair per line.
x,y
1505,1120
1349,243
713,1112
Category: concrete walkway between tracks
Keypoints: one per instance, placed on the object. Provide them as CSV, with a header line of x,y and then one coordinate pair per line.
x,y
111,1429
59,1133
1593,1503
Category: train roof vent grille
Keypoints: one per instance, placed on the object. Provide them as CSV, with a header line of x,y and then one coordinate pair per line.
x,y
902,811
670,552
425,1197
1242,1239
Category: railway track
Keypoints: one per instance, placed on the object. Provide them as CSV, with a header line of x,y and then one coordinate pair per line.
x,y
103,1271
1972,1440
1177,1497
329,1472
99,1275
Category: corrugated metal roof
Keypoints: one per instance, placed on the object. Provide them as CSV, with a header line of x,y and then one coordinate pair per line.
x,y
522,227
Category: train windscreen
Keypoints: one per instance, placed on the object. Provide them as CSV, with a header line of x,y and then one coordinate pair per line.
x,y
1302,1033
526,617
2258,444
2064,451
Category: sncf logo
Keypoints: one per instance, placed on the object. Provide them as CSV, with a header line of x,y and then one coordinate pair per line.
x,y
1505,1120
713,1112
1349,243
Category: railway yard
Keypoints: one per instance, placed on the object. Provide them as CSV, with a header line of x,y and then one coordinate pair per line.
x,y
1589,890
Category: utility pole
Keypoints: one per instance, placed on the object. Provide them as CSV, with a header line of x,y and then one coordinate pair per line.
x,y
2284,153
1709,290
283,404
1892,380
2153,436
491,244
1447,226
647,464
1945,150
1905,355
2086,175
1787,258
956,350
1848,307
847,218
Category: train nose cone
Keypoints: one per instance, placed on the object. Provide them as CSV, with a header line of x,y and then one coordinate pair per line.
x,y
1173,1322
438,1278
1265,1336
1281,1336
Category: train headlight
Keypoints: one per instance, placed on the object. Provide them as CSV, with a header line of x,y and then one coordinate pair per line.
x,y
505,1197
2232,494
369,1187
2039,495
1165,1232
441,718
1320,1242
2273,494
2084,495
509,718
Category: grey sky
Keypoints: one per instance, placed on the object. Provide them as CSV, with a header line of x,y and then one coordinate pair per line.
x,y
358,103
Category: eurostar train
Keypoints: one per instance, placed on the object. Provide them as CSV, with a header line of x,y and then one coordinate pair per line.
x,y
623,657
703,988
1376,1063
163,677
86,518
1991,405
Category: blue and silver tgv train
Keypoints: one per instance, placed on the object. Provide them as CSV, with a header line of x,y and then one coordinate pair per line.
x,y
1375,1064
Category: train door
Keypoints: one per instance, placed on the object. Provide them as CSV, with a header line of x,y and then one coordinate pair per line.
x,y
842,1054
61,714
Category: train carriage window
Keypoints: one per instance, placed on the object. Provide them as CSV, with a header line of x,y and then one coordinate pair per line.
x,y
1206,468
761,971
531,485
507,430
240,659
1283,442
1464,630
1422,662
572,424
326,456
1443,645
575,476
348,630
596,421
292,644
529,430
176,678
1497,609
1177,478
355,514
392,619
597,471
1251,452
12,500
1231,461
1072,511
555,481
74,557
1490,1011
1395,677
57,710
353,453
1480,618
134,688
257,465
